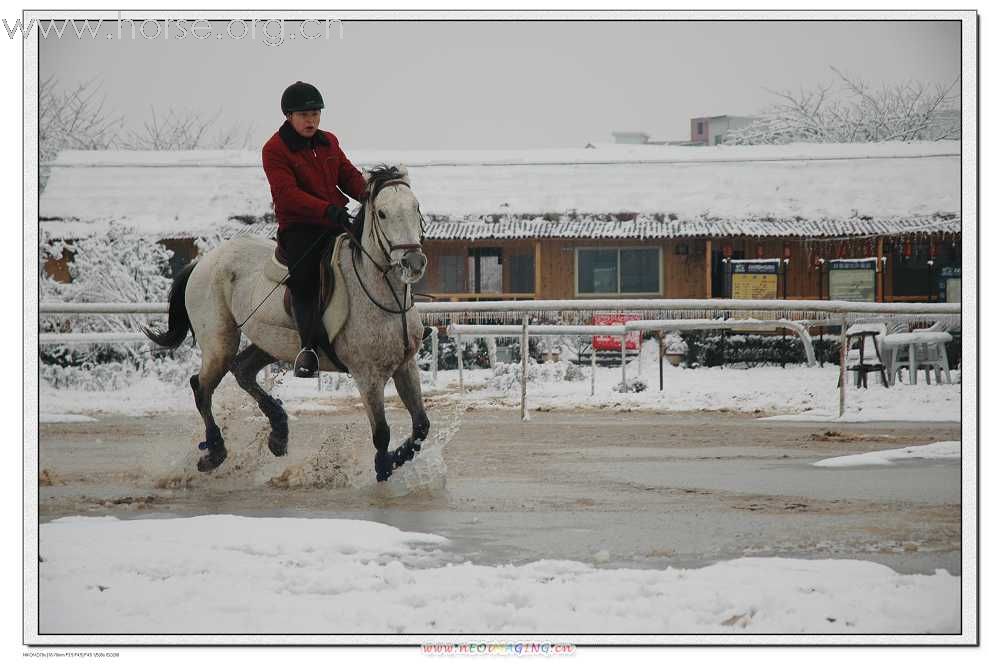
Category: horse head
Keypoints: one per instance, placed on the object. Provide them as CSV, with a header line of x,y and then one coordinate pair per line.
x,y
395,226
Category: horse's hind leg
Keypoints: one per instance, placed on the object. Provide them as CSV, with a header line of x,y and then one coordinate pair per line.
x,y
407,380
215,360
245,367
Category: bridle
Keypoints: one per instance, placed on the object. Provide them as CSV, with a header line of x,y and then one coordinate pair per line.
x,y
387,247
381,238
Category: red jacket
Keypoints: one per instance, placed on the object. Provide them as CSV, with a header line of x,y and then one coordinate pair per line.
x,y
305,174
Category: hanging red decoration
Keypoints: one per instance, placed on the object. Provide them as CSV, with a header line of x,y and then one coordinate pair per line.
x,y
787,252
760,251
727,250
932,249
842,251
907,249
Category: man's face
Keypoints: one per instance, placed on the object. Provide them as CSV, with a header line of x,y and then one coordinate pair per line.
x,y
304,122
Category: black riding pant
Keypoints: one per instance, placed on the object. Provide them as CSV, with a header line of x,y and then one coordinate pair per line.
x,y
303,246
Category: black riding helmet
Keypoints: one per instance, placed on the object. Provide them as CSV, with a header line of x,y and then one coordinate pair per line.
x,y
300,96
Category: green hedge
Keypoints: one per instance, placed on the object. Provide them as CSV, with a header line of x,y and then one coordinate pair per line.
x,y
710,349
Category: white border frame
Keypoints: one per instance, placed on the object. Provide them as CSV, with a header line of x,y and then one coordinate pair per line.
x,y
970,386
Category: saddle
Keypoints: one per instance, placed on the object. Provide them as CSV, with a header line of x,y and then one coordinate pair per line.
x,y
333,303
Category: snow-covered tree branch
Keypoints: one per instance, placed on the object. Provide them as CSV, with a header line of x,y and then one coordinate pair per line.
x,y
856,112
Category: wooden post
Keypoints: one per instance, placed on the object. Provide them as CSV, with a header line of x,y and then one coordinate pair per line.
x,y
538,269
434,354
491,351
593,369
708,267
640,355
458,352
623,362
524,370
843,364
659,349
880,269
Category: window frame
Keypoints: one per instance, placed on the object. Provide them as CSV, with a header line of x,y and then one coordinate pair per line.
x,y
659,272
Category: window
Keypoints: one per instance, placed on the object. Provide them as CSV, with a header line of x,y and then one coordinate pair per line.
x,y
640,270
630,270
485,270
522,273
719,138
701,128
452,274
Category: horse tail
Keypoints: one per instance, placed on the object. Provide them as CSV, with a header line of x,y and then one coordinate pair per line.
x,y
178,322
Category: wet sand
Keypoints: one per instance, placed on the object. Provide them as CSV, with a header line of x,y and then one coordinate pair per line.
x,y
618,489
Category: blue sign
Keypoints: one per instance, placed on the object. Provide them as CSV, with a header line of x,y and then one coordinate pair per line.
x,y
755,268
952,275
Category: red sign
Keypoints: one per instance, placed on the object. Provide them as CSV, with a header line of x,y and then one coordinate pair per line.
x,y
614,343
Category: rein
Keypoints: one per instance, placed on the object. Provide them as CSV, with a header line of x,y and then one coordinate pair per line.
x,y
387,247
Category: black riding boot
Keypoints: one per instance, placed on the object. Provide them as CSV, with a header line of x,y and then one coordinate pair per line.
x,y
304,309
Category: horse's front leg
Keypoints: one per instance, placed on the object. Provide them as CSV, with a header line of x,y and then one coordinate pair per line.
x,y
372,389
407,380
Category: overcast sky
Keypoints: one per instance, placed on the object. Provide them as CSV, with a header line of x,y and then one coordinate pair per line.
x,y
491,85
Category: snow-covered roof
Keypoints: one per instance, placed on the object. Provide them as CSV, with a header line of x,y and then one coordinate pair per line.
x,y
612,191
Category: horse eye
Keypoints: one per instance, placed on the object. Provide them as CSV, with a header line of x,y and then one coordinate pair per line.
x,y
381,213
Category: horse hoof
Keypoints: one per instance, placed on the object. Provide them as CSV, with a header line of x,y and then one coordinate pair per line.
x,y
212,459
278,447
383,466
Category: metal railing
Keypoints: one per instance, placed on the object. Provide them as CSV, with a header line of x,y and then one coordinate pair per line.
x,y
832,312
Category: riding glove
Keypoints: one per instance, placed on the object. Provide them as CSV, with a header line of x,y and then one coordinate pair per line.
x,y
339,217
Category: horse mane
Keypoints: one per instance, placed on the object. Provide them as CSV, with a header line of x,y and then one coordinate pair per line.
x,y
378,176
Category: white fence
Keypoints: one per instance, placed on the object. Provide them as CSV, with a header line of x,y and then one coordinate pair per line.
x,y
669,314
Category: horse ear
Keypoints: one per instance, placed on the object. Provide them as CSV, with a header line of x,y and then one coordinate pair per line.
x,y
404,174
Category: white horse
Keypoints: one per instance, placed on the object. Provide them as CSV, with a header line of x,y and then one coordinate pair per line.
x,y
219,295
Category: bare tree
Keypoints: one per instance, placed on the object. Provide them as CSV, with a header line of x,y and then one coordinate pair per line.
x,y
857,112
184,131
74,119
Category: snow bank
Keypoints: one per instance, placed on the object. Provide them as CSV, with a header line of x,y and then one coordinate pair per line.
x,y
796,392
226,574
806,393
943,450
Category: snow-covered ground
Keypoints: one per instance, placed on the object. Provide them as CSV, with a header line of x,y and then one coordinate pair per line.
x,y
793,392
942,450
227,574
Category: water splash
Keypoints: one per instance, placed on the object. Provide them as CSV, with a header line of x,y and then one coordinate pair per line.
x,y
427,471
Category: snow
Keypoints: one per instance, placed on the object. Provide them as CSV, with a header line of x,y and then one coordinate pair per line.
x,y
943,450
64,418
789,393
605,153
674,191
227,574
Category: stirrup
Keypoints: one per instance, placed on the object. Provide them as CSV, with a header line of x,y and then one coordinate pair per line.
x,y
302,372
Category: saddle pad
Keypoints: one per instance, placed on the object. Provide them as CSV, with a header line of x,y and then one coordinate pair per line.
x,y
338,306
335,315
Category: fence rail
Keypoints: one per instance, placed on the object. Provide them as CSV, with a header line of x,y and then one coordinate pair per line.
x,y
832,308
660,314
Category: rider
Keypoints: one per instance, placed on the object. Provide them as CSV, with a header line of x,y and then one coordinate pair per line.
x,y
309,175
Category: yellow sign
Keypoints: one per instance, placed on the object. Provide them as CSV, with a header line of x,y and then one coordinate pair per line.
x,y
749,286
